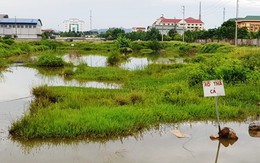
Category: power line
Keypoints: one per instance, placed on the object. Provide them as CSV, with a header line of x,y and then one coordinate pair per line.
x,y
214,7
21,98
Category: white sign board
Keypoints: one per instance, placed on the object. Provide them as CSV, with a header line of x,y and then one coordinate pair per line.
x,y
213,88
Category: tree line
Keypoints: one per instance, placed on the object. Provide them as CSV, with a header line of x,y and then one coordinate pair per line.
x,y
225,31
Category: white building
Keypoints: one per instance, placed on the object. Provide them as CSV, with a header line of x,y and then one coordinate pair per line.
x,y
136,29
180,25
21,28
75,25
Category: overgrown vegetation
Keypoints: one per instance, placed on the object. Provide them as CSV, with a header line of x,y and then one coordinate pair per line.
x,y
50,60
156,94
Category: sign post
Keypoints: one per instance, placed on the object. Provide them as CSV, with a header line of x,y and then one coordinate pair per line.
x,y
214,88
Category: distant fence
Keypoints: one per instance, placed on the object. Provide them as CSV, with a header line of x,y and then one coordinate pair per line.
x,y
253,42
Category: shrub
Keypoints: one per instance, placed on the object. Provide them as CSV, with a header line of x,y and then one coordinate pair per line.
x,y
146,51
232,74
251,62
7,40
137,45
210,47
49,60
187,49
51,44
198,59
154,45
68,72
113,59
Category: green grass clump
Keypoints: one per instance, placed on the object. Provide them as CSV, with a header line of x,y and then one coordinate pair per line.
x,y
210,47
50,60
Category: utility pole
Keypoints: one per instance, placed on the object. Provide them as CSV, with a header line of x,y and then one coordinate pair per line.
x,y
162,32
236,24
224,14
183,24
90,21
162,27
200,11
15,28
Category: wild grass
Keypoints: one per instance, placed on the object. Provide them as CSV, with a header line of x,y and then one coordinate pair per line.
x,y
101,73
50,60
157,94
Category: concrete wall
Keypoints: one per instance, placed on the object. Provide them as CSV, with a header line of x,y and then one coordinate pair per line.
x,y
25,32
253,42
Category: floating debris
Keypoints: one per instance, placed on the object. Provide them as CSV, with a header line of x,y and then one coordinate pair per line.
x,y
180,134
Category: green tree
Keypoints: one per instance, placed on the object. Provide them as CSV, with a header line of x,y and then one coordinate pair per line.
x,y
139,35
123,44
153,34
243,33
113,33
172,33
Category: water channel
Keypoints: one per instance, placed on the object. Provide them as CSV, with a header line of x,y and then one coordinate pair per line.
x,y
153,146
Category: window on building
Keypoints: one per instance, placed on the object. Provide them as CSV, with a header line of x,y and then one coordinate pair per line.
x,y
21,26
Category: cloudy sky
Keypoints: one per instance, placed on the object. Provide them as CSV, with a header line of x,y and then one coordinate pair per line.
x,y
125,13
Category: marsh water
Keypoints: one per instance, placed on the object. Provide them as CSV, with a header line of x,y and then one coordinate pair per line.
x,y
156,145
131,63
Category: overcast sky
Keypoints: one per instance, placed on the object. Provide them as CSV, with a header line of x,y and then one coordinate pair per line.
x,y
125,13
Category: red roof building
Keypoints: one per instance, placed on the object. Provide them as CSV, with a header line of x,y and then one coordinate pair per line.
x,y
188,24
136,29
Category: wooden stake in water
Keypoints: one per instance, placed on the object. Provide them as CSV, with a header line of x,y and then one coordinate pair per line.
x,y
216,103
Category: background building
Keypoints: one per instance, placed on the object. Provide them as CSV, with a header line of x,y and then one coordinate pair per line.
x,y
165,25
136,29
3,16
252,23
75,25
20,28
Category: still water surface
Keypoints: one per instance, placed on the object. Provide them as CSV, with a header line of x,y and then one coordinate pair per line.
x,y
132,63
156,145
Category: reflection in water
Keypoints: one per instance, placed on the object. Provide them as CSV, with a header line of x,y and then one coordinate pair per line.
x,y
18,82
135,63
225,143
90,60
131,63
253,133
153,146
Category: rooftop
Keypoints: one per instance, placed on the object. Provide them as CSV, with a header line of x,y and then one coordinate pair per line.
x,y
19,21
247,18
175,21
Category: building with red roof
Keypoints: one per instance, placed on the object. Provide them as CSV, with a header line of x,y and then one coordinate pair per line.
x,y
180,25
136,29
